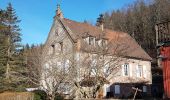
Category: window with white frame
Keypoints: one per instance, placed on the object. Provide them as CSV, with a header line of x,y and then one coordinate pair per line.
x,y
126,69
140,71
117,89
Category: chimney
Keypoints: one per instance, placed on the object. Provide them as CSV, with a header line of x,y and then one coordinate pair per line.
x,y
102,26
59,12
100,21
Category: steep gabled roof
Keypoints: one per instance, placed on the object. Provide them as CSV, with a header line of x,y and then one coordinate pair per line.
x,y
78,29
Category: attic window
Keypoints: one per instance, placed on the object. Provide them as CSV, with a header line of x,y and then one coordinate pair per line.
x,y
91,40
61,45
52,49
56,32
104,42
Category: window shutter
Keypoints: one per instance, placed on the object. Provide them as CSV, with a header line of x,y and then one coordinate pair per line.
x,y
117,89
144,72
107,88
130,69
123,70
137,70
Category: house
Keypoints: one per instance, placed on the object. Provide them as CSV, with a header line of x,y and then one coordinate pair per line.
x,y
132,65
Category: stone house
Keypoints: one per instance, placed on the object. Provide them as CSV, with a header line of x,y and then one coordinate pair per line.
x,y
81,39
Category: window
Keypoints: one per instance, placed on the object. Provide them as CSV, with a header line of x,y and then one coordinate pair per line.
x,y
104,42
61,45
140,71
47,66
93,71
106,69
117,89
144,88
66,65
53,49
91,41
126,69
56,32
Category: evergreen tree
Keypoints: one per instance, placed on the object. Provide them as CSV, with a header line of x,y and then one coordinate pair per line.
x,y
12,66
27,47
2,47
100,20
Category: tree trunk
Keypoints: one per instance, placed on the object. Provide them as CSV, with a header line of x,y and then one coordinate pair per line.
x,y
8,59
7,71
51,96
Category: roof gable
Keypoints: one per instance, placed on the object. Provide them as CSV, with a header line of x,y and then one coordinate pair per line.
x,y
58,28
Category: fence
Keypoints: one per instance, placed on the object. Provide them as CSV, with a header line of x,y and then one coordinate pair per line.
x,y
16,96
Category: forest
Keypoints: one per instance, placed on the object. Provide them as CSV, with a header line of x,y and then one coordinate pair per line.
x,y
139,20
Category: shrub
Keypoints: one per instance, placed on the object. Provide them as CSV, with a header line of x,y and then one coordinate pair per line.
x,y
59,97
39,95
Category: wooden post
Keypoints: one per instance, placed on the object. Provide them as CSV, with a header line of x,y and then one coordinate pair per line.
x,y
136,90
157,36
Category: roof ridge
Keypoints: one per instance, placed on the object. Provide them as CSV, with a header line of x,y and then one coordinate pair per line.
x,y
105,29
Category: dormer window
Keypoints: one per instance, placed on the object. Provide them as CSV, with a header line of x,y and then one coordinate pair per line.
x,y
103,42
91,40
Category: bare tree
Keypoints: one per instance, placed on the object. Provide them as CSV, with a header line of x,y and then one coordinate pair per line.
x,y
52,73
97,63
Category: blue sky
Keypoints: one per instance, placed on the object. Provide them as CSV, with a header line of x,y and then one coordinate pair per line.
x,y
37,15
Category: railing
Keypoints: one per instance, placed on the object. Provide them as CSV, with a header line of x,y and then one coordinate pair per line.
x,y
162,32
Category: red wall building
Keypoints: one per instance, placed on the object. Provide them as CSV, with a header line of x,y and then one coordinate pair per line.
x,y
165,53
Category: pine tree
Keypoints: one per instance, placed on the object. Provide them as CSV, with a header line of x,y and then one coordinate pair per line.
x,y
100,20
27,47
3,47
12,66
